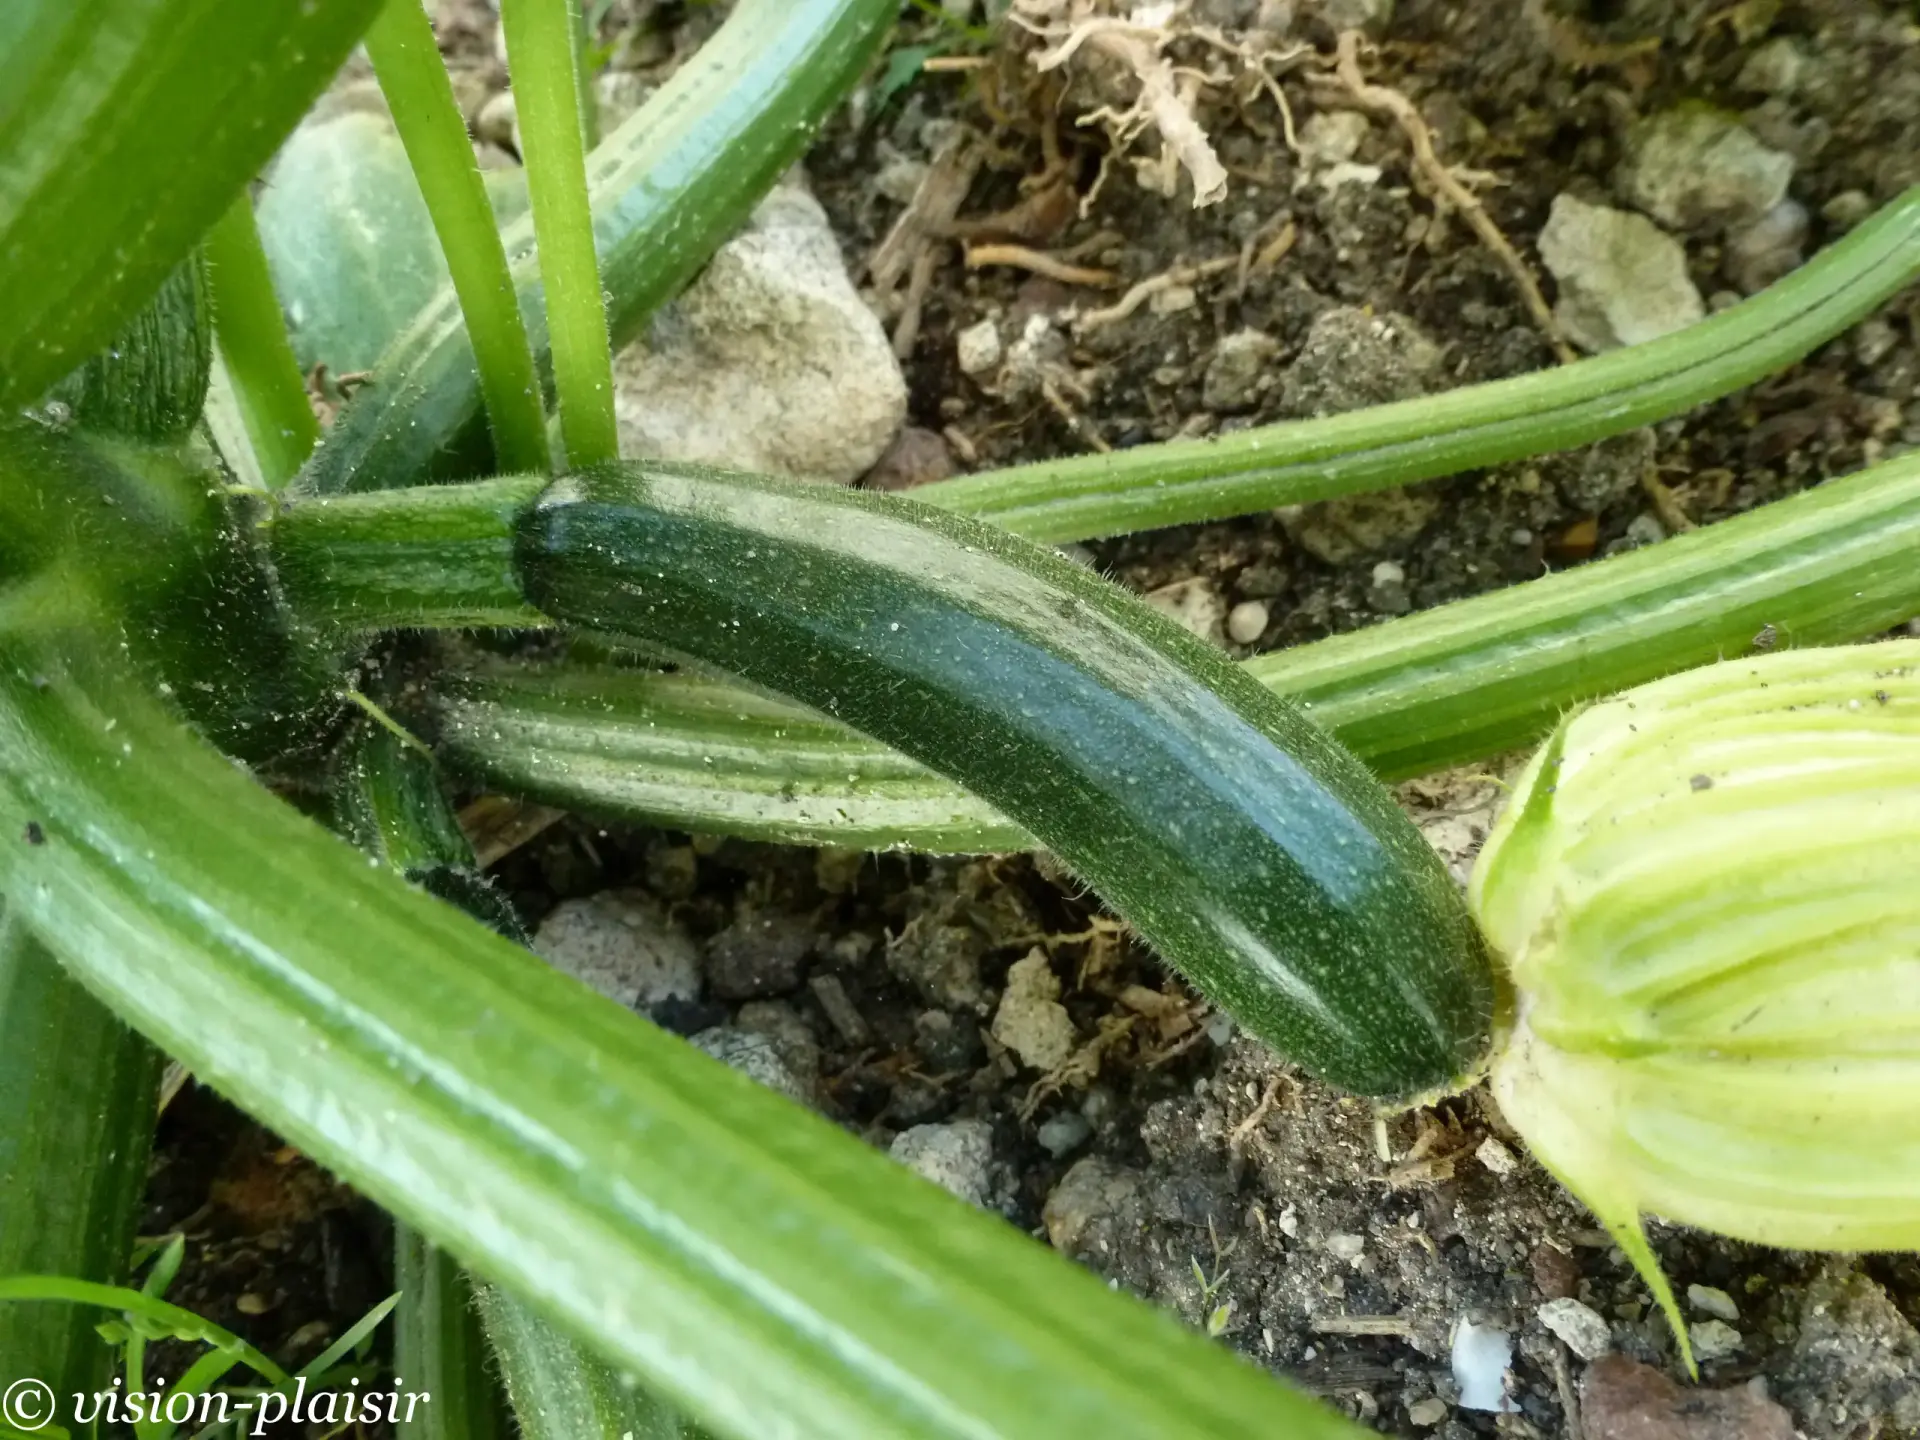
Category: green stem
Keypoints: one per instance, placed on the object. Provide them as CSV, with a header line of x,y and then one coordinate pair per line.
x,y
253,342
438,1346
1460,683
1478,425
562,1392
80,1092
741,1256
546,90
419,93
668,186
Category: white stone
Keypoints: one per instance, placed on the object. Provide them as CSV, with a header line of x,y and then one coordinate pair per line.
x,y
977,348
1346,1247
1714,1302
1330,137
770,361
1496,1156
1481,1358
1622,280
1247,622
1583,1328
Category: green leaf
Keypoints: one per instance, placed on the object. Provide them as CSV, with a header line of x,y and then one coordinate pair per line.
x,y
129,126
903,68
741,1256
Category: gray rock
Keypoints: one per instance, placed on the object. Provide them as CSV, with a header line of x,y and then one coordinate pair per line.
x,y
622,944
940,959
1714,1340
1387,589
1772,246
1062,1134
1694,167
1427,1413
792,1038
956,1156
1622,280
1584,1329
1847,209
1344,530
760,953
757,1057
1095,1204
1331,137
1774,69
1608,472
1352,358
1855,1350
769,361
1031,1021
1241,361
948,1044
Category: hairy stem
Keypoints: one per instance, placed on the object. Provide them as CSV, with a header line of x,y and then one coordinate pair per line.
x,y
541,55
1298,461
253,342
414,80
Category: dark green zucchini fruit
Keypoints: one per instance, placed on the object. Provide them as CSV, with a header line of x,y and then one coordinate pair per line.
x,y
1253,852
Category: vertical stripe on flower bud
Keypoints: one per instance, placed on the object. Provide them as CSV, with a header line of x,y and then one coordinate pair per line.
x,y
1706,892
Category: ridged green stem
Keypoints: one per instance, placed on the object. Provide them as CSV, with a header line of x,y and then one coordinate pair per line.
x,y
438,1346
253,342
75,1129
1388,445
418,91
541,54
739,1254
1461,682
668,186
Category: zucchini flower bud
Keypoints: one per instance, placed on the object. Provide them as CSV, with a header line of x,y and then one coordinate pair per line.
x,y
1706,893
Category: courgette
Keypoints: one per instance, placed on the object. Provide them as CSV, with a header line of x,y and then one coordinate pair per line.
x,y
1250,849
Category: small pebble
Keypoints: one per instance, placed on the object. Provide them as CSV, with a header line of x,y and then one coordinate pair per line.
x,y
956,1156
977,348
1481,1358
1496,1157
1847,209
1584,1329
1346,1247
1247,622
1714,1340
1427,1413
252,1304
1064,1133
1714,1302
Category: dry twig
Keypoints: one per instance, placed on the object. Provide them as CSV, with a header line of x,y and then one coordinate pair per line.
x,y
1024,257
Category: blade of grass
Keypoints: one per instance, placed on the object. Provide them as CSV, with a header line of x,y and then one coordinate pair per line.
x,y
253,344
419,93
742,1256
541,56
668,186
169,1320
128,128
1299,461
1459,683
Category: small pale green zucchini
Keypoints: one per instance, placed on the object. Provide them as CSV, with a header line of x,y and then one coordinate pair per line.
x,y
1250,849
